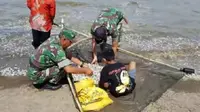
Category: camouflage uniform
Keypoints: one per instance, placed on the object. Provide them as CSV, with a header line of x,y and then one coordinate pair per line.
x,y
47,61
110,18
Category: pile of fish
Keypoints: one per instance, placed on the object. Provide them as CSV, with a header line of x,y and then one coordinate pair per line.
x,y
96,73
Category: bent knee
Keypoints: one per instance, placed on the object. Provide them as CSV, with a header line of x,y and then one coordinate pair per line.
x,y
132,65
32,74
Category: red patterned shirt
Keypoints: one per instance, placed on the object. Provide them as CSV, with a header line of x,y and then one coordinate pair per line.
x,y
42,13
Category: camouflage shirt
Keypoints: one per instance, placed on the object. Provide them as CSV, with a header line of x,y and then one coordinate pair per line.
x,y
109,18
49,54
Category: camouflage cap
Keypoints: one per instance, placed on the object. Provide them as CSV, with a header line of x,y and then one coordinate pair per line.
x,y
68,34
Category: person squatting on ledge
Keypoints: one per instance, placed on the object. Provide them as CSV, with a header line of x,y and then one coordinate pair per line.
x,y
42,13
50,63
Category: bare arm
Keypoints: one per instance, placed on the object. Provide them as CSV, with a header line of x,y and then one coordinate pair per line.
x,y
115,46
103,82
94,54
126,21
76,70
76,60
93,47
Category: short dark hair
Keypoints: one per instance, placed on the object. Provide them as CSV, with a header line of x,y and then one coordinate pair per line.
x,y
108,54
101,33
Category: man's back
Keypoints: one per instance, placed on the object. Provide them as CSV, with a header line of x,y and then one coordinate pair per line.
x,y
48,54
116,75
109,18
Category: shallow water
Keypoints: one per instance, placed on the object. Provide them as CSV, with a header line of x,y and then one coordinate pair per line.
x,y
166,31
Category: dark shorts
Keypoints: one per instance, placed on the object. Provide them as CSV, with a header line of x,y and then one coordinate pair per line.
x,y
39,37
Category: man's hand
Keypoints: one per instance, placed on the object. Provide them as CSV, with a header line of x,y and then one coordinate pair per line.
x,y
85,65
88,71
126,21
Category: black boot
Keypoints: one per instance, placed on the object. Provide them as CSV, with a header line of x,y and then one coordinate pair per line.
x,y
48,85
52,86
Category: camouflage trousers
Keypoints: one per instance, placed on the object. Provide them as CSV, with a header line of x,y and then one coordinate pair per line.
x,y
52,75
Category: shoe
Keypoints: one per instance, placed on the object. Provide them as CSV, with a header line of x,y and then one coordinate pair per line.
x,y
63,80
38,86
51,86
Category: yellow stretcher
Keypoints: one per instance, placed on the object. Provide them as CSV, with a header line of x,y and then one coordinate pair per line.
x,y
91,98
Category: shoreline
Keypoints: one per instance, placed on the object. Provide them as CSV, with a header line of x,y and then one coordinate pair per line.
x,y
9,82
28,99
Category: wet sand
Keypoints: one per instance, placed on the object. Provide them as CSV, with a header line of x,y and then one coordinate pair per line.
x,y
17,94
13,82
27,99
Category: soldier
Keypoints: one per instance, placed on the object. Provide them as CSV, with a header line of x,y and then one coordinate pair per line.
x,y
106,25
50,63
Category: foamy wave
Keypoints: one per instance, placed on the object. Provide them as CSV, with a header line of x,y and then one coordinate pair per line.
x,y
15,71
191,77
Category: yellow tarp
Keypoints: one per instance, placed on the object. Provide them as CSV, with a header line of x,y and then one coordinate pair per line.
x,y
92,98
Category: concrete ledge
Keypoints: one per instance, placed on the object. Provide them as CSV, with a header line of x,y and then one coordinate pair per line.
x,y
184,96
27,99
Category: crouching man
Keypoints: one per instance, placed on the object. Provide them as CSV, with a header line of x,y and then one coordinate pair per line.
x,y
50,63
